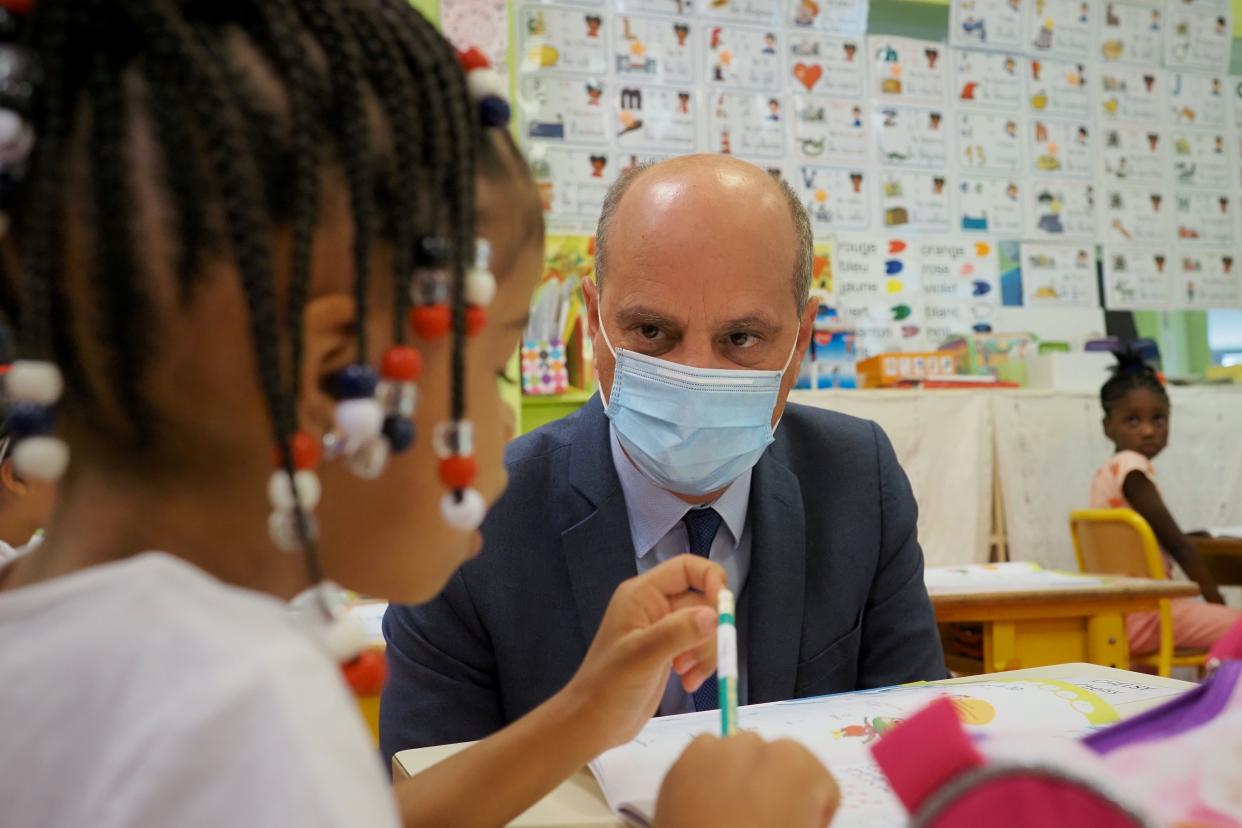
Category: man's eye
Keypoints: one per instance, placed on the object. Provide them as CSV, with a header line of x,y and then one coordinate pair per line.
x,y
649,332
742,339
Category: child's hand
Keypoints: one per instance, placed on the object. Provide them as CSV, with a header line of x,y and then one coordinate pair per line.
x,y
745,781
661,620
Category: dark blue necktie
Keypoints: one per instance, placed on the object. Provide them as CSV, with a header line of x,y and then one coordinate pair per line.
x,y
701,528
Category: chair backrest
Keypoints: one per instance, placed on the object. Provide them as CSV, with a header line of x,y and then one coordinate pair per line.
x,y
1115,542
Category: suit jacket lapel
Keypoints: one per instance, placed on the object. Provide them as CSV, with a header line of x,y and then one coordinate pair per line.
x,y
599,552
773,599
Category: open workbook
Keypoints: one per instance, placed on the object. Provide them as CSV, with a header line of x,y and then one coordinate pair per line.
x,y
840,729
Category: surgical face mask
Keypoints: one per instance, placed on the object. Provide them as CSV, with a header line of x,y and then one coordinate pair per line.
x,y
692,430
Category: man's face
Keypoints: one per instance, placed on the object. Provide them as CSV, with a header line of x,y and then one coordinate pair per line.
x,y
700,269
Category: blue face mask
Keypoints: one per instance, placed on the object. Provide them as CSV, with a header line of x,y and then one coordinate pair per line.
x,y
692,430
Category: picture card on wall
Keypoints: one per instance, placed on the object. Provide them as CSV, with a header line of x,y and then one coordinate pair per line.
x,y
988,80
1135,214
1132,32
1200,158
656,117
1138,277
905,70
911,137
1134,154
836,198
755,12
839,16
1059,27
958,270
1058,208
1198,100
1058,275
914,201
1062,148
878,272
561,39
564,109
987,24
827,129
1131,94
746,124
986,204
1059,88
747,58
943,321
1207,279
654,48
1206,218
989,142
820,64
1199,35
572,182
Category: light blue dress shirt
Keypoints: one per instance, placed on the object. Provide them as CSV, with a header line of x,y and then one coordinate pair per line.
x,y
658,534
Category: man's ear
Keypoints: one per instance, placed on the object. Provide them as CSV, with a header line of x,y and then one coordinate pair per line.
x,y
329,345
591,293
807,326
9,479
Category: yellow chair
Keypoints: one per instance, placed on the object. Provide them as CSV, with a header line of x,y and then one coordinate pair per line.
x,y
1120,542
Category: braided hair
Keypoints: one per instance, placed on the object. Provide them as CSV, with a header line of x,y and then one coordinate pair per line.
x,y
233,165
1130,372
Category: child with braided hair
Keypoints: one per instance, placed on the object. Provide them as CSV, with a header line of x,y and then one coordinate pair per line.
x,y
1136,419
239,244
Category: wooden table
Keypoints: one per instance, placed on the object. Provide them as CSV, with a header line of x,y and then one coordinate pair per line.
x,y
579,802
1024,627
1223,557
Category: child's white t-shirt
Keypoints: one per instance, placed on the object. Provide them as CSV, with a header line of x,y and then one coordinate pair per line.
x,y
147,693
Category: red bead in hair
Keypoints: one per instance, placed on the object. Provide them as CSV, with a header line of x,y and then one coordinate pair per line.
x,y
473,58
458,472
476,320
304,451
366,673
431,321
403,363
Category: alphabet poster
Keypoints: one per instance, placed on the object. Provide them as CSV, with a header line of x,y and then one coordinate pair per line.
x,y
554,39
1134,154
654,117
1059,27
989,142
1207,279
1198,100
1137,277
1059,208
836,199
1199,35
1200,158
654,48
1135,214
991,80
823,65
916,201
905,70
564,109
911,137
743,57
1133,32
1205,218
987,24
1059,88
1059,275
1062,148
826,129
572,182
748,124
845,16
986,204
1131,94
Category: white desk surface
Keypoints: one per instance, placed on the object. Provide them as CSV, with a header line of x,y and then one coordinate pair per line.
x,y
579,802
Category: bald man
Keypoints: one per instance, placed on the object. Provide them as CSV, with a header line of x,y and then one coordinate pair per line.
x,y
699,318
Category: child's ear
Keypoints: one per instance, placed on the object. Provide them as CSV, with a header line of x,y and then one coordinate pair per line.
x,y
329,344
9,479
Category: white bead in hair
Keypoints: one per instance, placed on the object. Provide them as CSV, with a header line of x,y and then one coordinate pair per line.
x,y
280,493
41,458
34,382
466,514
359,419
486,83
367,458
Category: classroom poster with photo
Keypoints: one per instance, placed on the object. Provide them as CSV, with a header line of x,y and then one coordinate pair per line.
x,y
572,182
825,129
1198,100
835,198
911,137
754,12
987,24
905,70
1200,158
1131,94
989,142
1061,148
1058,275
1058,208
1134,154
987,80
1059,27
654,48
914,201
564,109
1138,277
1198,35
1206,218
746,124
1059,88
840,16
986,204
819,64
659,118
1134,214
748,58
1132,31
560,39
1207,279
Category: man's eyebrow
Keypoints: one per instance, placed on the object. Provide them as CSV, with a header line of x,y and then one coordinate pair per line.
x,y
639,315
754,322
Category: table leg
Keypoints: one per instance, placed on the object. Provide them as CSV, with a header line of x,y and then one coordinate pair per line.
x,y
999,648
1106,640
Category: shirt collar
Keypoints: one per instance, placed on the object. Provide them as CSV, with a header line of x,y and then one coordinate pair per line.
x,y
654,511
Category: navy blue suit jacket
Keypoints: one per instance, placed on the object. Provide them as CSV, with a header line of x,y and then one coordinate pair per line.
x,y
834,600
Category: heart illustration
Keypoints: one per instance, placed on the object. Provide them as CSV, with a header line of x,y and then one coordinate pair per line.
x,y
967,269
896,246
808,74
896,286
981,288
982,249
893,266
